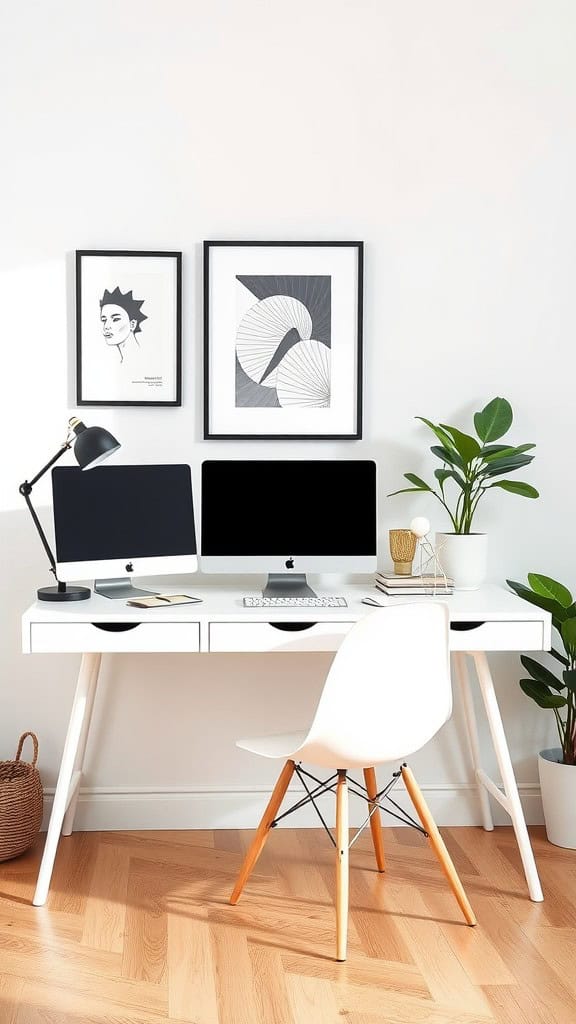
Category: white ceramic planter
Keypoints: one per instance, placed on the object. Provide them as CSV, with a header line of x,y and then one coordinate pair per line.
x,y
463,556
558,788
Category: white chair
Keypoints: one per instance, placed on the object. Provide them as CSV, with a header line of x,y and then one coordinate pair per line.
x,y
387,693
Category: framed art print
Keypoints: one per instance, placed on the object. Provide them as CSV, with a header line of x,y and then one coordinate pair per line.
x,y
283,340
128,327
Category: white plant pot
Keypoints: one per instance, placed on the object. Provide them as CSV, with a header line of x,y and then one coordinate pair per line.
x,y
558,789
463,556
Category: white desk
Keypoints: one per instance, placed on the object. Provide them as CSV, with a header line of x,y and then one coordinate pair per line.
x,y
490,619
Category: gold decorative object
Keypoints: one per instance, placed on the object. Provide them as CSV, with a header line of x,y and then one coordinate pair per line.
x,y
402,549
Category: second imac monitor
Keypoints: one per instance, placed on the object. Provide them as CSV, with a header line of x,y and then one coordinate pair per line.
x,y
287,518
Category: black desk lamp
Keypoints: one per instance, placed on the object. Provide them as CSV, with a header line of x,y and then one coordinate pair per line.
x,y
91,446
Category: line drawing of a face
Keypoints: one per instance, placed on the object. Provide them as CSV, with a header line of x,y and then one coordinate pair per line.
x,y
116,325
120,319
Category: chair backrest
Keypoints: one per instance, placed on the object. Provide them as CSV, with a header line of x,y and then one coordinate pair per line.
x,y
388,690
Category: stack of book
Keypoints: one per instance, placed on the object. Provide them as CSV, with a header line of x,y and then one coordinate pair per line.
x,y
390,583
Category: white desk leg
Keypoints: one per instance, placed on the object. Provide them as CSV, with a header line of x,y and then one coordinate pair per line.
x,y
512,799
70,768
472,730
74,788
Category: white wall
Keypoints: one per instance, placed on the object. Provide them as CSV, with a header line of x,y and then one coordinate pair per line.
x,y
443,135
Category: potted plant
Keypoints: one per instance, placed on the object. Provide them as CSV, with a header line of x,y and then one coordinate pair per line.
x,y
471,466
556,766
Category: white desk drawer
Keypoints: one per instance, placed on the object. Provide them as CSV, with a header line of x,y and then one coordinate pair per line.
x,y
55,637
264,636
497,636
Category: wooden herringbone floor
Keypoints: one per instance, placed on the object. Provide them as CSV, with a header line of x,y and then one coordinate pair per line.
x,y
138,930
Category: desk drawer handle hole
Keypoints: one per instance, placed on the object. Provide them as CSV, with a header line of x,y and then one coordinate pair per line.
x,y
116,627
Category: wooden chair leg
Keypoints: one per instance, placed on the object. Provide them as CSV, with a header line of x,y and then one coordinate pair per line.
x,y
264,827
437,844
342,845
375,822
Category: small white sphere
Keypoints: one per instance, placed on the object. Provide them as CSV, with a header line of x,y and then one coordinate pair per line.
x,y
420,526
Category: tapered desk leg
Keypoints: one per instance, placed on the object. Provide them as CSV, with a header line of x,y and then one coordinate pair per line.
x,y
472,730
70,769
511,800
74,790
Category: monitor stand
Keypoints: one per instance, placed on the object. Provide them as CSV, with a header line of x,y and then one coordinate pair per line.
x,y
283,584
121,588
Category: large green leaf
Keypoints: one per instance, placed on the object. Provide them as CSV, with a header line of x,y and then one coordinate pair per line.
x,y
559,614
448,455
547,587
508,465
541,694
466,446
541,673
494,449
505,452
494,420
441,434
516,487
568,632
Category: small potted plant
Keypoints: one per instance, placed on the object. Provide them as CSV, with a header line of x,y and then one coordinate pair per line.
x,y
556,766
471,466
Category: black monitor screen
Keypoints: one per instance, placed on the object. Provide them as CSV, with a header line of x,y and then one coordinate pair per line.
x,y
306,508
123,511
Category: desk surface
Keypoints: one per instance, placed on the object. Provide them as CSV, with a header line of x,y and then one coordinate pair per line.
x,y
490,603
490,619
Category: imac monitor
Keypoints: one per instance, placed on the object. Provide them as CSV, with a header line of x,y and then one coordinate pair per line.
x,y
123,520
286,518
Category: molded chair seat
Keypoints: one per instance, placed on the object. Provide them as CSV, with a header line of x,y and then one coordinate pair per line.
x,y
286,744
387,693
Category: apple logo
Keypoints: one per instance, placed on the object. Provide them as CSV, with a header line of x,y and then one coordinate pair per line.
x,y
129,567
289,563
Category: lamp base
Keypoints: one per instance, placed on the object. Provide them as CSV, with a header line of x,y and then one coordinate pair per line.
x,y
70,594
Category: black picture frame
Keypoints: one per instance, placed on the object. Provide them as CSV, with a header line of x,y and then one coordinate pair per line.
x,y
157,276
298,288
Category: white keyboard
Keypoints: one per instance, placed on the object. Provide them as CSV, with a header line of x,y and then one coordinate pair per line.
x,y
295,602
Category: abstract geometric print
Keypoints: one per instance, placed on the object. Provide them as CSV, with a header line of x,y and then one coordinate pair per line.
x,y
283,341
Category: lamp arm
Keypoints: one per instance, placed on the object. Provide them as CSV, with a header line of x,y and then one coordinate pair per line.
x,y
26,489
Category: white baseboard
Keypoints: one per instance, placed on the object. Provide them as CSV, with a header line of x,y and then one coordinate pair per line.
x,y
117,809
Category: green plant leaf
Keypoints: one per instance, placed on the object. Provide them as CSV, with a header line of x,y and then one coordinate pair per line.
x,y
418,481
516,487
441,434
442,475
466,446
407,490
504,452
448,455
494,420
541,673
494,449
568,632
509,465
547,587
569,677
541,694
559,657
559,614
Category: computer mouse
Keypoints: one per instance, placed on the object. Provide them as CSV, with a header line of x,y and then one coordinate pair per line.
x,y
372,601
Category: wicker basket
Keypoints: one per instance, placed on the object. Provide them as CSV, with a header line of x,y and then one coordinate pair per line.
x,y
21,801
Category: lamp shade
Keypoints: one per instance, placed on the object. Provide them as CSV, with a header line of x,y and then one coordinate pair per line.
x,y
92,445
